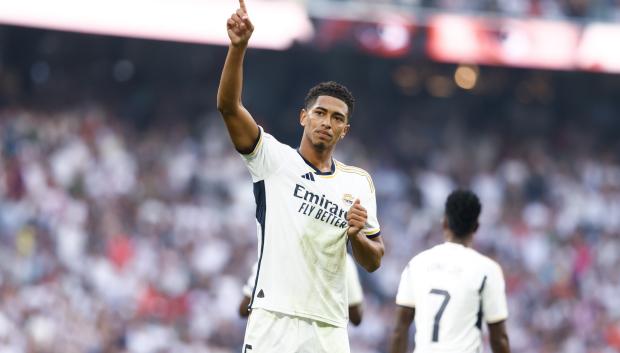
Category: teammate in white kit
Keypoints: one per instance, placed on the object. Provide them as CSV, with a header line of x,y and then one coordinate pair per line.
x,y
308,206
355,295
451,289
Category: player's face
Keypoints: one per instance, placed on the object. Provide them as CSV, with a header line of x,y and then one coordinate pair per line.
x,y
325,122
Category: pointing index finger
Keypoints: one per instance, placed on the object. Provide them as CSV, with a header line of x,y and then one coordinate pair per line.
x,y
242,5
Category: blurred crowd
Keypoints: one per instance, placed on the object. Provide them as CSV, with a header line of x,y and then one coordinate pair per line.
x,y
606,10
116,240
116,244
558,9
127,219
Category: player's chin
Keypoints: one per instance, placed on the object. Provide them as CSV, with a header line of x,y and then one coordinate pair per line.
x,y
320,145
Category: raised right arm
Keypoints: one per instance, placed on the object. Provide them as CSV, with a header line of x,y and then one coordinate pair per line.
x,y
242,128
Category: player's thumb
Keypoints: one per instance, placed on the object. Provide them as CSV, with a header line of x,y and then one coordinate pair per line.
x,y
357,202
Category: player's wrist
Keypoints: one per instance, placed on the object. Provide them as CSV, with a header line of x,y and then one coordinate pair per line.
x,y
353,232
242,45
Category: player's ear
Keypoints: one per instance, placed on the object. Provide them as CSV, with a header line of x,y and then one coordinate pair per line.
x,y
444,223
303,115
345,131
475,227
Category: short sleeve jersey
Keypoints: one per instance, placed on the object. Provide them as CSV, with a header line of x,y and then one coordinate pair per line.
x,y
301,226
453,289
354,287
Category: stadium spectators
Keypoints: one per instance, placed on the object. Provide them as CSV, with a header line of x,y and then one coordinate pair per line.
x,y
606,10
141,243
128,227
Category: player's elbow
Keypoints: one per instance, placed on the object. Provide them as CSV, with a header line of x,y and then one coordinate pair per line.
x,y
372,266
226,107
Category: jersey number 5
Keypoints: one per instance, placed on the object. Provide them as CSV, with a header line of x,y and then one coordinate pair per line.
x,y
444,303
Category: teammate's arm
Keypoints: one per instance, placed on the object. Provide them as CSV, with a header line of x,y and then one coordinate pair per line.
x,y
498,337
400,335
495,309
367,252
242,128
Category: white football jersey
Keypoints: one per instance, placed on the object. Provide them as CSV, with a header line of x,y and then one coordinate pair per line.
x,y
453,288
301,224
355,295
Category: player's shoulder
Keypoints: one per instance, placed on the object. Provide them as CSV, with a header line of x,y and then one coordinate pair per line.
x,y
423,257
487,263
351,169
265,136
355,173
430,252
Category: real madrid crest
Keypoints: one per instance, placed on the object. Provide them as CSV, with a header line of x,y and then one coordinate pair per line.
x,y
348,199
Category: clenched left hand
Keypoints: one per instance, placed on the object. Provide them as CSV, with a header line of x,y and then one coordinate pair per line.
x,y
356,217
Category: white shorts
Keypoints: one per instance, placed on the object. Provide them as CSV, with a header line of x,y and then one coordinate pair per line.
x,y
273,332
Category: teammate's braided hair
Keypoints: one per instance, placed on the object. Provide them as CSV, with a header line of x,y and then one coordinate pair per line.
x,y
332,89
462,211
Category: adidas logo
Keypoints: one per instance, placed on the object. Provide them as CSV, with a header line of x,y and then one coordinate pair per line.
x,y
308,176
261,294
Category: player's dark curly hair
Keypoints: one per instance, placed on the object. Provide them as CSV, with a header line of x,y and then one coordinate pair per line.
x,y
332,89
462,211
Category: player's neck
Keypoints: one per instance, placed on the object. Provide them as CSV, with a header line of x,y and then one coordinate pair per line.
x,y
460,242
466,242
320,159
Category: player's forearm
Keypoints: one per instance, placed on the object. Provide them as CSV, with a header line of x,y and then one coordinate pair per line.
x,y
500,344
231,82
367,252
498,337
399,341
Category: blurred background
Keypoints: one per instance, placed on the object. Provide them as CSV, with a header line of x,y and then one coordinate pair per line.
x,y
127,219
